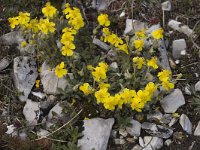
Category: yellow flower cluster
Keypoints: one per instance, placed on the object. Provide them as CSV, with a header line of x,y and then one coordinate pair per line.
x,y
86,89
164,76
74,16
140,61
139,39
76,22
114,40
60,71
103,20
46,26
99,72
152,63
139,44
158,34
22,19
137,100
49,11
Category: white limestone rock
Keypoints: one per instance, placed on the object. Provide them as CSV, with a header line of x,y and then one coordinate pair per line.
x,y
133,25
101,44
57,109
173,101
31,112
51,83
179,48
135,128
96,134
14,37
166,6
186,123
197,130
25,74
197,86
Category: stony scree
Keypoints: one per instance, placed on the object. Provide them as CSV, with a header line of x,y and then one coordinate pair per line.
x,y
4,63
157,130
25,74
154,142
185,123
31,112
96,134
135,128
173,101
197,130
154,116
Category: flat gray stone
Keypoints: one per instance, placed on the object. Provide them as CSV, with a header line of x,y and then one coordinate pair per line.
x,y
173,101
155,116
96,134
186,123
51,83
25,74
57,109
197,86
178,48
13,37
31,112
100,5
101,44
133,25
137,147
197,130
4,63
135,128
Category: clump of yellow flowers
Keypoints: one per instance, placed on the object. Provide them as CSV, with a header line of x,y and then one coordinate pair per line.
x,y
126,86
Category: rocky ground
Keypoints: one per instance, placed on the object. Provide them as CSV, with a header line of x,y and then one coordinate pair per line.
x,y
40,114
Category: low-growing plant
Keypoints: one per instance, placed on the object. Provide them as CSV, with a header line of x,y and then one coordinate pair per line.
x,y
128,75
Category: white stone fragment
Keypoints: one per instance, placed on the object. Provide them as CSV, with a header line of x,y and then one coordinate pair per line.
x,y
101,44
141,142
135,128
168,142
166,6
31,112
51,83
39,94
137,147
14,37
180,27
11,129
25,74
133,25
179,48
186,123
122,14
177,61
57,109
114,65
156,143
197,130
173,101
96,134
123,132
100,5
197,86
187,90
42,133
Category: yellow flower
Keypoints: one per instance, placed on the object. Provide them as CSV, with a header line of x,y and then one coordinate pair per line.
x,y
60,71
67,49
101,95
164,75
106,31
139,61
49,11
46,26
152,63
127,95
86,88
23,44
33,25
158,34
23,18
103,20
139,44
37,83
13,22
67,9
167,85
140,34
124,48
110,103
151,88
77,23
103,85
99,73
